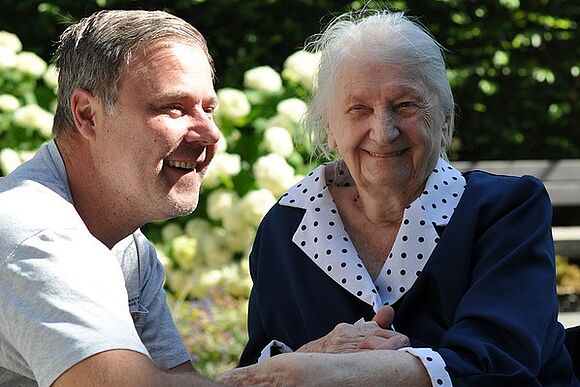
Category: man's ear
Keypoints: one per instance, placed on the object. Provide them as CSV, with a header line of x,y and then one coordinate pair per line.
x,y
84,109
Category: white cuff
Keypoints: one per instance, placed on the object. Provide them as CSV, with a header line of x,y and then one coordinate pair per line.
x,y
434,364
275,347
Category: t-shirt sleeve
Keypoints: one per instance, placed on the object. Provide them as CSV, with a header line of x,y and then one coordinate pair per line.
x,y
63,300
157,328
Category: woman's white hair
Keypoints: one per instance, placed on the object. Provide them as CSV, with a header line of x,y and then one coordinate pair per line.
x,y
376,36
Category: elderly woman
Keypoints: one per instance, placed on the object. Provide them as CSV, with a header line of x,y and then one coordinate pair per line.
x,y
465,260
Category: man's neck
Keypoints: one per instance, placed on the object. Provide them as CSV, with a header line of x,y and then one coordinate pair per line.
x,y
102,215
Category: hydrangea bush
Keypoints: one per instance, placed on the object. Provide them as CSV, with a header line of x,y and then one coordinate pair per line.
x,y
206,254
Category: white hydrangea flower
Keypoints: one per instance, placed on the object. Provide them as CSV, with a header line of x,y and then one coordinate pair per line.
x,y
215,253
9,160
301,67
233,219
233,104
35,117
10,41
8,59
50,76
273,173
234,283
31,64
164,259
240,239
281,121
255,204
223,164
220,202
293,108
197,228
263,78
8,103
222,144
278,140
206,280
184,250
178,280
171,231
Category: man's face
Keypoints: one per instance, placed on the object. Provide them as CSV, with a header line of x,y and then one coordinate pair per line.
x,y
153,151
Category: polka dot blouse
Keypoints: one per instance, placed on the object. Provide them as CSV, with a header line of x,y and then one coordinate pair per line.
x,y
323,238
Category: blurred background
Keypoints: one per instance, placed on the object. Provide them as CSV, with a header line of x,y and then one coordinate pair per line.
x,y
514,68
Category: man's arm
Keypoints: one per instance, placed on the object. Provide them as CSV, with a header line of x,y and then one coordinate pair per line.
x,y
128,369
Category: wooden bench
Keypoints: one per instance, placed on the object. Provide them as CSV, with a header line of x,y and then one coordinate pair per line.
x,y
562,180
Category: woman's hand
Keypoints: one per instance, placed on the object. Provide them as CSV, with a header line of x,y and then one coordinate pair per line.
x,y
346,338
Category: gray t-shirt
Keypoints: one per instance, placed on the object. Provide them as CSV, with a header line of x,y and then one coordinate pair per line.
x,y
64,296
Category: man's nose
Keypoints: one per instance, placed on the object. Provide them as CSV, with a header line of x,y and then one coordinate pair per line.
x,y
202,128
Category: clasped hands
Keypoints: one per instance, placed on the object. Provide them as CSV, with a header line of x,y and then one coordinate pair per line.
x,y
291,368
370,335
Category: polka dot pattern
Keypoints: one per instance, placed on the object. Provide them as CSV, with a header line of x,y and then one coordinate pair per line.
x,y
434,364
322,237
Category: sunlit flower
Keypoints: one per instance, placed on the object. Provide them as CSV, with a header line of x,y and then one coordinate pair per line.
x,y
220,202
234,283
233,219
222,144
292,108
233,104
184,252
9,160
215,252
171,231
8,59
273,173
255,204
278,140
263,78
240,239
8,103
223,165
10,41
205,281
197,228
301,67
31,64
35,117
50,77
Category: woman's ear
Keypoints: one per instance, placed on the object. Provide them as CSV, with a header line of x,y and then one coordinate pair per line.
x,y
331,140
445,133
83,106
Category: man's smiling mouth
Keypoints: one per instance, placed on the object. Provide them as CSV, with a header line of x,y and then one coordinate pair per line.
x,y
181,164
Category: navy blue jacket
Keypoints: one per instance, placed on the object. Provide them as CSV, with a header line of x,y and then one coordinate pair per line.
x,y
486,300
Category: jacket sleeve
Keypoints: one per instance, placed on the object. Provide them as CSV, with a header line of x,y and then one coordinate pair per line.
x,y
505,329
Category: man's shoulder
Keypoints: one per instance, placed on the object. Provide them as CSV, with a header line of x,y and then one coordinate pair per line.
x,y
28,207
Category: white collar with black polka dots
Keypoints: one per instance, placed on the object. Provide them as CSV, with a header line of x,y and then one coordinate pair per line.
x,y
322,237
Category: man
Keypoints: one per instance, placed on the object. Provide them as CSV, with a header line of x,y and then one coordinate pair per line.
x,y
81,288
82,301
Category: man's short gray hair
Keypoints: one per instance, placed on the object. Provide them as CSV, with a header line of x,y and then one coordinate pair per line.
x,y
378,36
92,53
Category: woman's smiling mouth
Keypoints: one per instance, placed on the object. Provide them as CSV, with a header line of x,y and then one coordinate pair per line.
x,y
386,155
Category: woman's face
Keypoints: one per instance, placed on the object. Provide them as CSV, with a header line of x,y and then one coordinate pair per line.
x,y
378,121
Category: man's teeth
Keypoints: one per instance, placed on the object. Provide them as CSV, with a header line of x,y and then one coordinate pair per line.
x,y
181,164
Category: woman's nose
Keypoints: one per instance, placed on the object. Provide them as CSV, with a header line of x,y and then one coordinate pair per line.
x,y
385,128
